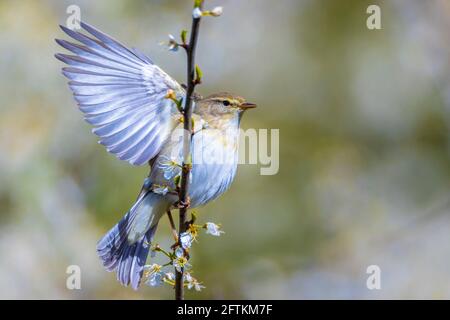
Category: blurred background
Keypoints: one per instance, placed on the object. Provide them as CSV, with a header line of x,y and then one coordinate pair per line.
x,y
364,178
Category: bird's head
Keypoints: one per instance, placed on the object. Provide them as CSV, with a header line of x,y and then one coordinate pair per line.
x,y
222,105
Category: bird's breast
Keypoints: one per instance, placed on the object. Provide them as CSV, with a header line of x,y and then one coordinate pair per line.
x,y
214,156
214,163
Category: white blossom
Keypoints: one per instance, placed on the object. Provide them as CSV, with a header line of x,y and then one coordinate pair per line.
x,y
155,280
154,275
217,11
172,45
180,262
161,189
179,253
213,229
198,286
191,282
170,276
170,167
186,240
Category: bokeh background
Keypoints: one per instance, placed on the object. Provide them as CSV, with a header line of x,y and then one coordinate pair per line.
x,y
364,177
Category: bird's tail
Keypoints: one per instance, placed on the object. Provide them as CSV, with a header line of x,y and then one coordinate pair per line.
x,y
125,247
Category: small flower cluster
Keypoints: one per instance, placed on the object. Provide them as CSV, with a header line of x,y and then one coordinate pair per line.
x,y
155,277
171,168
188,237
154,274
172,44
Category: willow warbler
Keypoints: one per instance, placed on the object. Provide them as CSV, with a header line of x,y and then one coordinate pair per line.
x,y
124,95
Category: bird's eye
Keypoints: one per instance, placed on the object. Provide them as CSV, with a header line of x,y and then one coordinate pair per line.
x,y
226,103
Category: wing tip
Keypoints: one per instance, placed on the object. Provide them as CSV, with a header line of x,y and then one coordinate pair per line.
x,y
86,26
65,29
59,57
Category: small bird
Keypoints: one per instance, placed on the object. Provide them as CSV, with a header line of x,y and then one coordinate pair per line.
x,y
125,96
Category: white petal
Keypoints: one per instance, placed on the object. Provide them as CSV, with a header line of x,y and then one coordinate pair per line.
x,y
217,11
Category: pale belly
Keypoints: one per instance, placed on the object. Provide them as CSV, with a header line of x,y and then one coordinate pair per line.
x,y
214,157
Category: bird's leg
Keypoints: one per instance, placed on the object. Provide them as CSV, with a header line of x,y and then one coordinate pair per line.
x,y
183,205
172,227
175,234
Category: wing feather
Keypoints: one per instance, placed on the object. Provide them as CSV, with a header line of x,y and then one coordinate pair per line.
x,y
124,145
126,102
121,93
79,75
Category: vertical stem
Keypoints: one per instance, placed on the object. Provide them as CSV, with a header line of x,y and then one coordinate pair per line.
x,y
187,136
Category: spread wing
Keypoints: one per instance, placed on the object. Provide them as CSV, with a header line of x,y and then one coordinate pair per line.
x,y
121,93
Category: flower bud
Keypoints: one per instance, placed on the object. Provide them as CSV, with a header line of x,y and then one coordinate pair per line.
x,y
170,95
172,45
217,11
197,13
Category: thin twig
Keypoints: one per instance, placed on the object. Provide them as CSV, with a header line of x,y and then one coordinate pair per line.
x,y
187,115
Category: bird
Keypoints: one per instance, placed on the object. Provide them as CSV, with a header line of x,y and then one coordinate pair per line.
x,y
123,94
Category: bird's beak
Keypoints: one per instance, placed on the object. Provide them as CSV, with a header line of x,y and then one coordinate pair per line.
x,y
247,105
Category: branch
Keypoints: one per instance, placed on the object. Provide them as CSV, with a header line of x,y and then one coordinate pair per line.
x,y
187,136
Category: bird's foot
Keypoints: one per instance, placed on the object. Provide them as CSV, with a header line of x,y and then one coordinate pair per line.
x,y
183,204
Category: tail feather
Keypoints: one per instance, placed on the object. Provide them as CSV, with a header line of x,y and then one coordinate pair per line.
x,y
139,259
128,254
130,268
